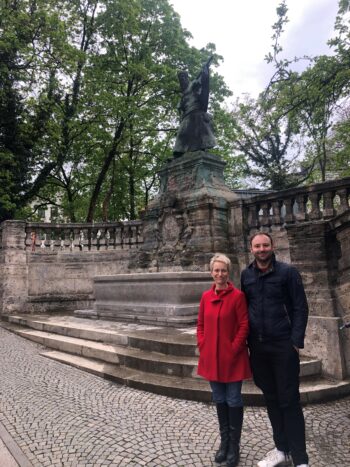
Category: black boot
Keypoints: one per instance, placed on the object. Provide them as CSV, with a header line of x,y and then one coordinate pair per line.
x,y
222,411
235,422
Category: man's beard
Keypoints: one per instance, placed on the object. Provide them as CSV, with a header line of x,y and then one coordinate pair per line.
x,y
265,260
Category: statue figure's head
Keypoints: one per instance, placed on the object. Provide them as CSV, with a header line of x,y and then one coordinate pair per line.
x,y
183,80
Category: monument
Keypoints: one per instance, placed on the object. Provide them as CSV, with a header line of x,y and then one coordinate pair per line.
x,y
188,221
182,227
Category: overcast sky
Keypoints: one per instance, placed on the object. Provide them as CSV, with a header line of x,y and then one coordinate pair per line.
x,y
241,31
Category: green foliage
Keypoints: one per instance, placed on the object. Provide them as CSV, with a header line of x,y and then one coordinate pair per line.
x,y
33,46
88,102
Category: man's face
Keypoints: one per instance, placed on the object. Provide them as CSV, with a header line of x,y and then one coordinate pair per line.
x,y
262,249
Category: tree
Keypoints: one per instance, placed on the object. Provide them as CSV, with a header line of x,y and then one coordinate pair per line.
x,y
295,111
42,58
338,144
124,118
266,139
312,97
24,27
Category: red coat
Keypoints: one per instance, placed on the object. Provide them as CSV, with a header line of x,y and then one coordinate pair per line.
x,y
222,331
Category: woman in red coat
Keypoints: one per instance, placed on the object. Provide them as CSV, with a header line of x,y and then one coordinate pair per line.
x,y
222,331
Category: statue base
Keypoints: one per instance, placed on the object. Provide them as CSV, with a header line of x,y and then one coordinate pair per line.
x,y
188,221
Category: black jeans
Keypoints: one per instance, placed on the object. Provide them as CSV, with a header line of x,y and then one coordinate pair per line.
x,y
276,366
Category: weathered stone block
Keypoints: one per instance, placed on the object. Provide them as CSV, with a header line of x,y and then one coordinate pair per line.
x,y
168,297
323,340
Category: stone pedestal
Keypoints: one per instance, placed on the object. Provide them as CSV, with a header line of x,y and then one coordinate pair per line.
x,y
188,221
167,299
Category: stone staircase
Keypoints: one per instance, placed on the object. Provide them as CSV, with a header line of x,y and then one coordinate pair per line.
x,y
158,359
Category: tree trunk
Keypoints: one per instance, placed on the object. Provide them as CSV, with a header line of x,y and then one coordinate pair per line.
x,y
102,175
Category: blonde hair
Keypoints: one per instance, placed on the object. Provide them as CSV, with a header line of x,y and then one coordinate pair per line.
x,y
220,258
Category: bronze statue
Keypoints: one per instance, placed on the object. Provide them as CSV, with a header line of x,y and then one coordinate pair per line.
x,y
196,130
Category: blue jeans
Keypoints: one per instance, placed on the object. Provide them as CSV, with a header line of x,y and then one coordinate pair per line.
x,y
227,392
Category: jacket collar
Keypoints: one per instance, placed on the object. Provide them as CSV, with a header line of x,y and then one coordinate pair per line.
x,y
215,296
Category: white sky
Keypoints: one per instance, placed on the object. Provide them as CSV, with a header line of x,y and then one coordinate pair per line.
x,y
242,30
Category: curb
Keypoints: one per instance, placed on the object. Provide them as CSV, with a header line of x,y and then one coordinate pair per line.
x,y
13,448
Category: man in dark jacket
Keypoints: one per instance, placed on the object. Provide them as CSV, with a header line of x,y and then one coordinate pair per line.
x,y
278,314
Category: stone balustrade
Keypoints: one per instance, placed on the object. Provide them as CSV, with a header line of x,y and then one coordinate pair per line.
x,y
40,236
320,201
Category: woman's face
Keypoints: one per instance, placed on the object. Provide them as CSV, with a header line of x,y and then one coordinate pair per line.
x,y
220,274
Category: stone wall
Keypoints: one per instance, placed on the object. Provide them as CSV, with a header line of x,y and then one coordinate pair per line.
x,y
37,275
340,255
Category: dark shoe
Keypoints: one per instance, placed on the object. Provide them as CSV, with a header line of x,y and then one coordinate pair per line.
x,y
222,411
235,430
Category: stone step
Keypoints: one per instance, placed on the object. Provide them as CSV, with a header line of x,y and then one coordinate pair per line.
x,y
179,343
152,362
315,389
130,361
142,359
150,319
164,340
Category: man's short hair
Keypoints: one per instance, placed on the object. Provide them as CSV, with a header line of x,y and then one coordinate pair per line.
x,y
220,258
260,233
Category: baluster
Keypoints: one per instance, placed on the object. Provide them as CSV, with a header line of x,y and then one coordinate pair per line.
x,y
33,240
315,206
98,239
301,214
81,239
43,240
107,238
71,240
328,208
61,238
52,239
289,216
344,204
139,239
265,216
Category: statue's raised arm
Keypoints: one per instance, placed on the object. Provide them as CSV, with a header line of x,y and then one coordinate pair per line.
x,y
195,131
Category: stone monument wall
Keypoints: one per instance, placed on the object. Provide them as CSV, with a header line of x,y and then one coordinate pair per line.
x,y
46,267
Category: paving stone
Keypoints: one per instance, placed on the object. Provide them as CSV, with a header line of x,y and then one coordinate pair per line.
x,y
61,416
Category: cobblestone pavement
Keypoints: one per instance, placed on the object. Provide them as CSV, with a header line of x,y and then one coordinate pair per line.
x,y
61,416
